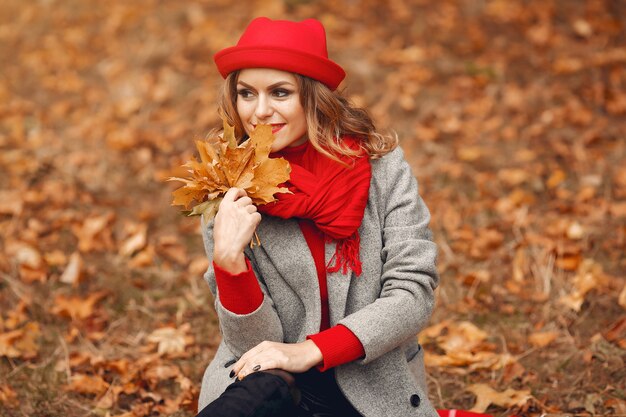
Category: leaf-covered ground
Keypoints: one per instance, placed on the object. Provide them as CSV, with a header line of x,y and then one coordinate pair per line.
x,y
511,113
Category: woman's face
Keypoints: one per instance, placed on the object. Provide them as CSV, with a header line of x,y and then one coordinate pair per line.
x,y
269,96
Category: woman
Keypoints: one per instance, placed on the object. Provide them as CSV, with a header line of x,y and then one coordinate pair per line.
x,y
328,307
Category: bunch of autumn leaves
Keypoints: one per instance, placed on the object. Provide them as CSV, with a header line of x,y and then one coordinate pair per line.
x,y
224,164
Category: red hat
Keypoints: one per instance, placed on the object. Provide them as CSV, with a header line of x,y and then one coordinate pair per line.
x,y
298,47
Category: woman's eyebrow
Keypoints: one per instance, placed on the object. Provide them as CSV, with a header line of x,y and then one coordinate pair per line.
x,y
278,84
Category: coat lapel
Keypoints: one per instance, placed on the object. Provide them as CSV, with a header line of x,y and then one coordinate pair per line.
x,y
294,262
283,242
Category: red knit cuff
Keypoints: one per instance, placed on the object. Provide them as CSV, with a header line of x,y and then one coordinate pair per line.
x,y
239,293
338,346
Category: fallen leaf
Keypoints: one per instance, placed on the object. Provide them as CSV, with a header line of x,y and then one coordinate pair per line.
x,y
24,254
617,405
513,176
75,307
21,343
462,336
170,247
110,397
94,233
143,258
87,384
588,277
8,397
569,262
469,153
621,300
136,240
55,258
472,361
11,202
15,317
582,28
159,372
171,340
618,209
556,179
485,396
575,231
542,339
464,346
617,331
73,271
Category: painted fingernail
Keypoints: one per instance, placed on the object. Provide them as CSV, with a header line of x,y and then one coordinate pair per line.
x,y
232,374
256,368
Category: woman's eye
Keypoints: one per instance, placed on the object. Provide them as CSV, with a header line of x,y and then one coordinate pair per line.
x,y
280,93
244,93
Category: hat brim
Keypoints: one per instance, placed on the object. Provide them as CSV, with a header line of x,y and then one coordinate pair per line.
x,y
313,66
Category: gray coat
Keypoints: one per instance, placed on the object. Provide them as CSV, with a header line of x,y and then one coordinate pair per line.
x,y
385,307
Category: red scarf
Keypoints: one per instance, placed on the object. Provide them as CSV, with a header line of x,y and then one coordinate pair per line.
x,y
333,196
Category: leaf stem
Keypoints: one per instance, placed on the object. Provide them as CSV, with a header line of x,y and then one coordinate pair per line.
x,y
253,243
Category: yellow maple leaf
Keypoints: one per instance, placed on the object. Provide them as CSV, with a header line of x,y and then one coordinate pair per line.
x,y
87,384
21,343
76,307
485,396
171,340
224,164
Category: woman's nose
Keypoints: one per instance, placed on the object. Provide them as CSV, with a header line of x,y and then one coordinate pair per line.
x,y
263,108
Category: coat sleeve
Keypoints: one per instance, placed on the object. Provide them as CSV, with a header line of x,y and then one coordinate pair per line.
x,y
409,274
242,332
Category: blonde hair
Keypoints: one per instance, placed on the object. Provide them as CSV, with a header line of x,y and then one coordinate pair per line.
x,y
329,116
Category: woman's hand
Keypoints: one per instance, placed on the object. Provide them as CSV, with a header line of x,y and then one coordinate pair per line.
x,y
235,223
291,357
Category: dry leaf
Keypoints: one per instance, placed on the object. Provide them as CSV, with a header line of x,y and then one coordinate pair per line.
x,y
542,339
55,258
473,361
8,397
143,258
582,28
87,384
469,153
15,317
75,307
158,373
73,270
556,178
109,399
589,276
170,247
11,202
21,343
485,396
461,337
464,346
24,254
617,332
224,165
94,233
171,340
621,300
136,240
575,231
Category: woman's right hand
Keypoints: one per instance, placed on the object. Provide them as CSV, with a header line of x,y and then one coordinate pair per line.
x,y
235,223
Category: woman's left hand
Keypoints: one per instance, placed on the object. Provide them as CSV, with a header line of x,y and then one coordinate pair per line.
x,y
290,357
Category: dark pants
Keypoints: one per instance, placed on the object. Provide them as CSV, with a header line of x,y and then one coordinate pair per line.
x,y
264,394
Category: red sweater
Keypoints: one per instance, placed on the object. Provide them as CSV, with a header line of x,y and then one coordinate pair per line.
x,y
242,294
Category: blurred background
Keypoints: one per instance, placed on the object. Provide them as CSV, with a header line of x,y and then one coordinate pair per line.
x,y
511,113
